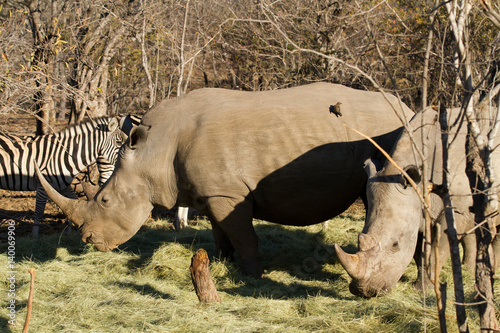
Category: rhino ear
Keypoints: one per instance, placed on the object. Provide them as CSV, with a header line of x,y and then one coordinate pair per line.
x,y
371,166
138,136
414,173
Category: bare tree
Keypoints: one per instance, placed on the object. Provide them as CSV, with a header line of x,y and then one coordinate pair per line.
x,y
43,18
141,38
97,30
482,130
17,86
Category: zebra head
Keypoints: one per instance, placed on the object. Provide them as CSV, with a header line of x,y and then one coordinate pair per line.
x,y
109,148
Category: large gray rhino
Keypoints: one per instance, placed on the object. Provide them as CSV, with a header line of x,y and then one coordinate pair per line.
x,y
276,155
395,220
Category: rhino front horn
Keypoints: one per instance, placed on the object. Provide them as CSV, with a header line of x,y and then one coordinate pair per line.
x,y
67,205
350,262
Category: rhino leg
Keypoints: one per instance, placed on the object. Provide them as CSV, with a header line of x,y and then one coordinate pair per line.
x,y
232,225
496,250
225,249
423,280
470,250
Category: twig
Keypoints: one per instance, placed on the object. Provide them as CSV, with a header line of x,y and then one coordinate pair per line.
x,y
486,219
389,158
30,300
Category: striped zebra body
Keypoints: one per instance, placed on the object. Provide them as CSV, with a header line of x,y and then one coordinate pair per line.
x,y
60,157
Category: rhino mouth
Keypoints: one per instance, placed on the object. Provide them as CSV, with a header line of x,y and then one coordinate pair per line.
x,y
99,243
368,290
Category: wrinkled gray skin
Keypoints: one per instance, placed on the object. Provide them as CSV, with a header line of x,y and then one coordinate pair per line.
x,y
276,155
395,216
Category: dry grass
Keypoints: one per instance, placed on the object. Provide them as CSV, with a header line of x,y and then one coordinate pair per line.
x,y
145,286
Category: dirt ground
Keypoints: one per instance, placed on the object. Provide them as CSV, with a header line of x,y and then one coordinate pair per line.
x,y
20,207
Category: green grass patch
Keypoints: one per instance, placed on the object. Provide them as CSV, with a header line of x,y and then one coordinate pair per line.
x,y
145,286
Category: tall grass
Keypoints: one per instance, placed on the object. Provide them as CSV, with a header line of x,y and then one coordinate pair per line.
x,y
145,286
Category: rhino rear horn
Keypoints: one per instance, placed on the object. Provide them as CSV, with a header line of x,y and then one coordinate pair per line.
x,y
89,190
371,167
367,242
351,263
67,205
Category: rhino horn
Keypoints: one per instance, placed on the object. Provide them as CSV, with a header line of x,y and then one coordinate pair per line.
x,y
67,205
350,262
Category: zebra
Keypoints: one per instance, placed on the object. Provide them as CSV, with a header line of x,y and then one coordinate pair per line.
x,y
60,157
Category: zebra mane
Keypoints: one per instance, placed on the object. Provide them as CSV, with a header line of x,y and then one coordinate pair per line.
x,y
99,122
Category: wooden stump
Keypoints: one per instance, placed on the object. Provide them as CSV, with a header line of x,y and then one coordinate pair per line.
x,y
200,274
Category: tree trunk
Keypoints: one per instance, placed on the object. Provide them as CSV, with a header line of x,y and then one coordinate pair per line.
x,y
484,236
96,47
200,274
479,167
451,229
43,61
141,37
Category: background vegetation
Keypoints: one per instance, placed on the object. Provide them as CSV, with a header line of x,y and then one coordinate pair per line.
x,y
62,57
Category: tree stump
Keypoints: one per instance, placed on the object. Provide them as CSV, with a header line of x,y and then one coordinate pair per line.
x,y
200,274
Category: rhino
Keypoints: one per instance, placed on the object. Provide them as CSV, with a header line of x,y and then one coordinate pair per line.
x,y
277,155
394,221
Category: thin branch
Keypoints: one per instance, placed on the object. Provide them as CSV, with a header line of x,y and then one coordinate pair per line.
x,y
479,225
182,62
428,48
490,13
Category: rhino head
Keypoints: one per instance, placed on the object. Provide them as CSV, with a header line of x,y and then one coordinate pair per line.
x,y
388,240
118,210
395,214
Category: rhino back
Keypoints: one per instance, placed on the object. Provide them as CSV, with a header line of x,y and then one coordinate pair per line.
x,y
426,128
282,150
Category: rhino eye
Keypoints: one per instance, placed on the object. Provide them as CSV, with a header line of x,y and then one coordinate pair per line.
x,y
395,246
105,199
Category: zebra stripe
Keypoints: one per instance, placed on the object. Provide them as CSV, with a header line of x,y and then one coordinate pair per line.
x,y
59,156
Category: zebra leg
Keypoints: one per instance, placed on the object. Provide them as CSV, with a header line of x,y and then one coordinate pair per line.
x,y
40,202
181,218
68,192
